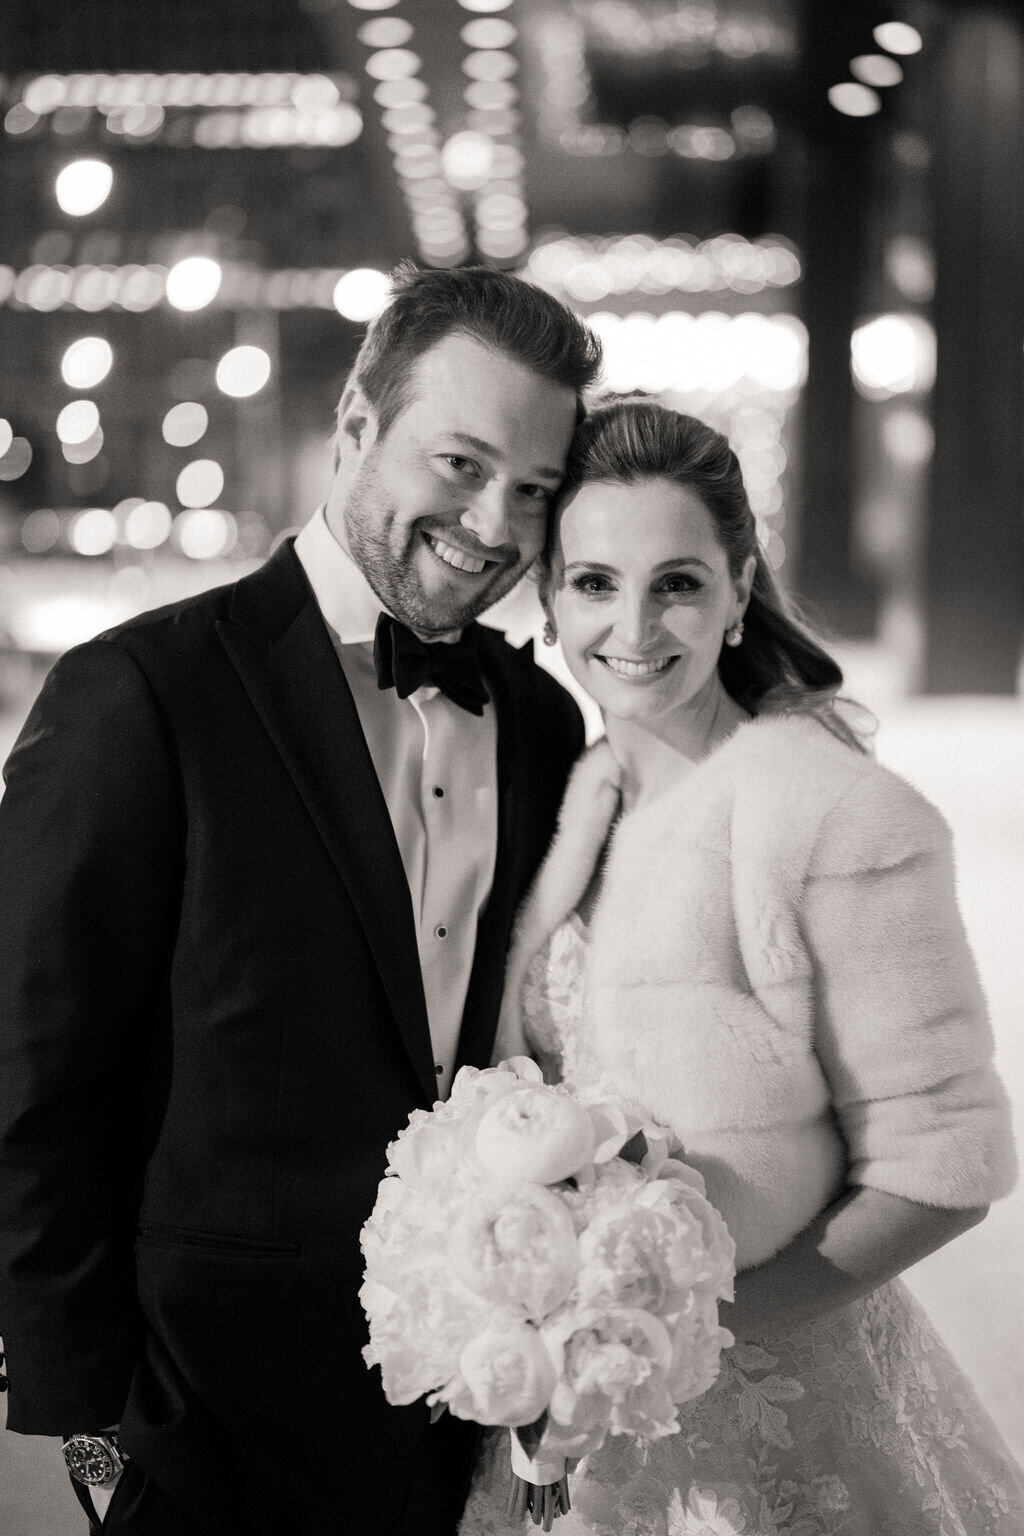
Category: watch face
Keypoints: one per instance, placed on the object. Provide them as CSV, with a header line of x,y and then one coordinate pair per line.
x,y
88,1460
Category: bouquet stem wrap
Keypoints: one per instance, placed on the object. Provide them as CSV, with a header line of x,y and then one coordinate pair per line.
x,y
533,1469
520,1271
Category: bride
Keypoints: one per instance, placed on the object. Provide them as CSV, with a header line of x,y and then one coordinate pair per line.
x,y
749,926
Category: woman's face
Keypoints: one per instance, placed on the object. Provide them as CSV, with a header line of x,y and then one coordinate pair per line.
x,y
641,596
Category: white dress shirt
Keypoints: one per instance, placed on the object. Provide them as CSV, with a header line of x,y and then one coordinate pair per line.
x,y
437,767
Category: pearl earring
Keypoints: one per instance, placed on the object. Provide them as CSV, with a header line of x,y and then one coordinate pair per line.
x,y
549,634
734,636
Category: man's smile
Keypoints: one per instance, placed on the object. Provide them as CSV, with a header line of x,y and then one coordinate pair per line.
x,y
458,558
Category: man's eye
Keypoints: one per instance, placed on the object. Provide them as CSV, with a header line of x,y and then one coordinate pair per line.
x,y
539,493
459,462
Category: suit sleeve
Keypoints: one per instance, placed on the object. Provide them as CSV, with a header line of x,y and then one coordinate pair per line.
x,y
901,1026
89,874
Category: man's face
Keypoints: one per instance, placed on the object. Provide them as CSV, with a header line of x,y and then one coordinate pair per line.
x,y
445,513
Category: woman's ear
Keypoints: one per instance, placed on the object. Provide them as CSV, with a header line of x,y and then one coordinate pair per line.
x,y
744,584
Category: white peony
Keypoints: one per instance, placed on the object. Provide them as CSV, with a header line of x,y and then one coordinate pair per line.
x,y
519,1251
632,1256
506,1376
534,1135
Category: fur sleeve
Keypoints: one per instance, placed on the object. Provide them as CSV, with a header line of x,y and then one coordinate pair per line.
x,y
901,1027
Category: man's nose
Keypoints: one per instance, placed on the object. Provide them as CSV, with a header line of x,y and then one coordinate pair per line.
x,y
488,514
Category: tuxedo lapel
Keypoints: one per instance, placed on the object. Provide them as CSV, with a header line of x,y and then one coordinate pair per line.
x,y
279,645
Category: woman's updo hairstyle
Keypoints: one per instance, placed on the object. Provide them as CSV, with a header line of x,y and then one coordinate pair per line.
x,y
780,667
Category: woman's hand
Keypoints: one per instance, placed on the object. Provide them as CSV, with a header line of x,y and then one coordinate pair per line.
x,y
866,1238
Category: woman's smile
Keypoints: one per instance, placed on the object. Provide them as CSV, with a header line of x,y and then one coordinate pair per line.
x,y
637,671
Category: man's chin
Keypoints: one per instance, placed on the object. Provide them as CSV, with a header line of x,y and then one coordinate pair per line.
x,y
442,604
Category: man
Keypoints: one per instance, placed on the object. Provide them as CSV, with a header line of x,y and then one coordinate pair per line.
x,y
254,905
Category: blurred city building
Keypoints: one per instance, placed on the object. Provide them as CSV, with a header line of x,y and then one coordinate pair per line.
x,y
800,219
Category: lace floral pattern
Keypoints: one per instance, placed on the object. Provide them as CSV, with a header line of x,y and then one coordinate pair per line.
x,y
858,1424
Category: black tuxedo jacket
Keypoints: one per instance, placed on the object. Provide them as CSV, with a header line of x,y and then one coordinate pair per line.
x,y
211,1023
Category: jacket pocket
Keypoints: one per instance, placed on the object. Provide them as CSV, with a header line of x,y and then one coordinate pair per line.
x,y
223,1245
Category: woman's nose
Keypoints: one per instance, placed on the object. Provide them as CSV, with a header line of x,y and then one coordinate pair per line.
x,y
636,621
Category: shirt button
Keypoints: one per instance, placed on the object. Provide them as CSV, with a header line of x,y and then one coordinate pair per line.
x,y
438,792
440,932
439,1070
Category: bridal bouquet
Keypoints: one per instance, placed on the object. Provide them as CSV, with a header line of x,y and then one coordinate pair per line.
x,y
520,1272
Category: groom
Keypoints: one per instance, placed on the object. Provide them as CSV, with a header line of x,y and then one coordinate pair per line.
x,y
259,857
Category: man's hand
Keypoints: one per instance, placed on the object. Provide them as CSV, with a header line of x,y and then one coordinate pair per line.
x,y
101,1497
101,1494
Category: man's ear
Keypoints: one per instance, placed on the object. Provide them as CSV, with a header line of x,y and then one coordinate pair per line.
x,y
357,422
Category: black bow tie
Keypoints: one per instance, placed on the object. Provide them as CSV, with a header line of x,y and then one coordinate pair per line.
x,y
405,663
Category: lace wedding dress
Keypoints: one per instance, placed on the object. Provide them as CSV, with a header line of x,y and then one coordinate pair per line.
x,y
859,1424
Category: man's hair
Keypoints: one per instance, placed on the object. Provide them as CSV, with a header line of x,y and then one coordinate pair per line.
x,y
501,311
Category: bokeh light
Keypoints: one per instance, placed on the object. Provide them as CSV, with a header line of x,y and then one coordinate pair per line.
x,y
200,483
385,32
86,362
361,294
898,37
40,531
20,119
893,355
488,32
313,92
243,371
393,64
44,94
908,435
467,159
78,421
93,532
185,424
6,435
204,533
876,69
148,525
83,186
85,451
854,100
16,460
194,282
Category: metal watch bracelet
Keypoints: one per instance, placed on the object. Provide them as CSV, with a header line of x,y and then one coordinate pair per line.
x,y
94,1460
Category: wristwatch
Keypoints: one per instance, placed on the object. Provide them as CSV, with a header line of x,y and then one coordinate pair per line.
x,y
94,1459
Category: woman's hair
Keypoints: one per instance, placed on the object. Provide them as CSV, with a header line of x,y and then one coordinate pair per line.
x,y
493,307
780,666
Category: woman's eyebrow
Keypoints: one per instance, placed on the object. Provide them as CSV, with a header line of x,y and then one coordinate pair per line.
x,y
664,565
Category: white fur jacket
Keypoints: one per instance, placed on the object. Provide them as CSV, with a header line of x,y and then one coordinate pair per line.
x,y
778,970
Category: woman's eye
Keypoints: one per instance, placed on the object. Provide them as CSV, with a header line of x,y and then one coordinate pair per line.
x,y
681,583
591,584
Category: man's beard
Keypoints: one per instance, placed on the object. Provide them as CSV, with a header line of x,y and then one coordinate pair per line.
x,y
394,576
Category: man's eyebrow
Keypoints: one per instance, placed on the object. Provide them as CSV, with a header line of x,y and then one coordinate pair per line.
x,y
482,446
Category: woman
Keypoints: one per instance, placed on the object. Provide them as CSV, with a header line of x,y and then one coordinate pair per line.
x,y
750,927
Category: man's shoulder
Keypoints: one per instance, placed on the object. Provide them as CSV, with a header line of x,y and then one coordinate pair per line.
x,y
267,594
